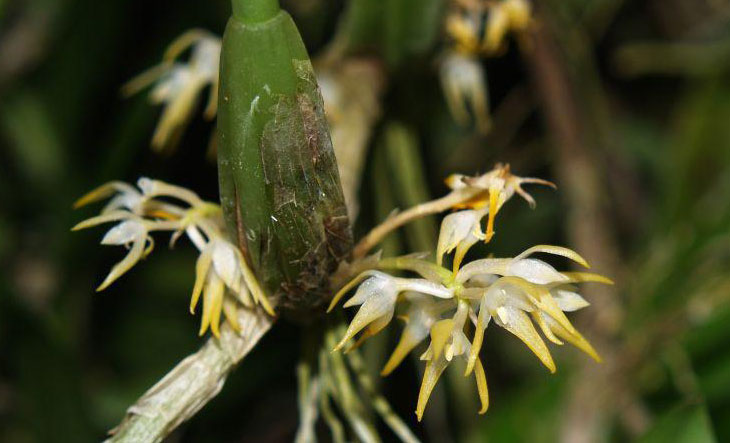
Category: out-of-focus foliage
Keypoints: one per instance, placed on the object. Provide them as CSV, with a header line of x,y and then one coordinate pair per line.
x,y
651,78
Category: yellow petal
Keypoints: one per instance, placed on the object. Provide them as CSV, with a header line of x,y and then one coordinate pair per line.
x,y
144,79
213,290
542,299
434,368
576,339
493,203
253,285
520,325
482,386
372,329
495,30
125,265
373,310
406,344
202,266
539,318
100,219
175,116
231,313
183,42
555,250
476,344
345,289
216,309
440,333
211,109
100,193
585,277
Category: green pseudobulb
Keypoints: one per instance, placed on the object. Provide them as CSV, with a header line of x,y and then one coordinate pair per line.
x,y
279,184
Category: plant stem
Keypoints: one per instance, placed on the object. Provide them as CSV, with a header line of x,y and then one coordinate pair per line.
x,y
255,11
192,383
377,234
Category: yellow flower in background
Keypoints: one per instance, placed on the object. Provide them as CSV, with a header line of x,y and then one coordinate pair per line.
x,y
177,85
223,277
464,27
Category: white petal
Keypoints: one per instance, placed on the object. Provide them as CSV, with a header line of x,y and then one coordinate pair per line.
x,y
374,286
569,301
124,233
535,271
454,229
493,266
225,262
424,286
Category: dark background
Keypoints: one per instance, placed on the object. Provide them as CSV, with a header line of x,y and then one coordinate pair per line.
x,y
656,128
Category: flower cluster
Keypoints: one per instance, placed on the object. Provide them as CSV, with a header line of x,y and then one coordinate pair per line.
x,y
222,275
177,84
444,304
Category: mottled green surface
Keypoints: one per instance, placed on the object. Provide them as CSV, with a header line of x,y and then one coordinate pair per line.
x,y
280,188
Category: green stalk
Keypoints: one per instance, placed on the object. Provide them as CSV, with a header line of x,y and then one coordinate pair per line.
x,y
255,11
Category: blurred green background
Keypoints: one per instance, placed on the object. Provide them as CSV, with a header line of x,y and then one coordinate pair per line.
x,y
624,104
